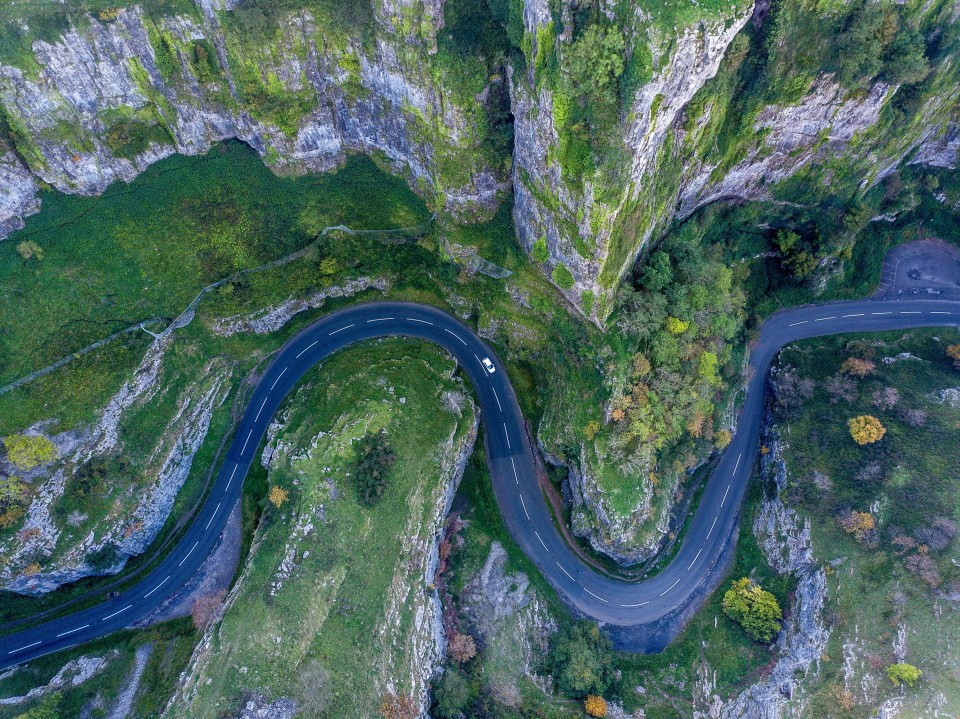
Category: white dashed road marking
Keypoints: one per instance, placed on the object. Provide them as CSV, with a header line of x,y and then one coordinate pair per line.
x,y
515,477
881,313
210,521
455,335
794,324
857,315
497,398
341,329
724,496
155,588
641,604
506,434
189,553
824,319
256,419
423,322
910,313
524,505
306,349
380,319
670,587
244,449
121,611
565,571
232,473
595,595
72,631
277,379
939,313
711,527
695,559
737,466
541,539
14,651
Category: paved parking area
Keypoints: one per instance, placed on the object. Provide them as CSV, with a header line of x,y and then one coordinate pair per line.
x,y
925,268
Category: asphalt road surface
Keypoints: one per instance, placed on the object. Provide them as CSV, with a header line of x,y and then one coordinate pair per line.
x,y
524,509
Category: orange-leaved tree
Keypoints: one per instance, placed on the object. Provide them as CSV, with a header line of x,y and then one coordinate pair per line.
x,y
857,367
595,706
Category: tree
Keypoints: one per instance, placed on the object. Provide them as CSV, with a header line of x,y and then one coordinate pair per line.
x,y
658,274
590,430
205,609
915,417
722,439
29,250
902,673
278,495
595,61
857,367
676,326
841,386
886,398
398,706
595,706
859,524
754,609
581,659
375,457
791,390
641,365
953,352
866,429
462,648
28,451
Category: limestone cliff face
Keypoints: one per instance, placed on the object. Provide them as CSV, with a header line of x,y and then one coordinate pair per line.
x,y
670,133
580,223
110,97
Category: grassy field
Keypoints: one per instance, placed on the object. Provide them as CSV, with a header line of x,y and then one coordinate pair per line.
x,y
890,581
336,589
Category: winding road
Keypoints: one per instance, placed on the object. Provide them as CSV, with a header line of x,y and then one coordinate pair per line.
x,y
642,606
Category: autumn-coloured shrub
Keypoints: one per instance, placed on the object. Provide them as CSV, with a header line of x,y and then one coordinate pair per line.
x,y
857,367
953,352
205,609
462,648
722,439
595,706
278,495
866,429
857,523
398,706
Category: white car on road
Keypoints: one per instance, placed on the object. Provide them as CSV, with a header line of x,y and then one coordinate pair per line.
x,y
488,365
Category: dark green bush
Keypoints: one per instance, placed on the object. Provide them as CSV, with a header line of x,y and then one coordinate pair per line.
x,y
371,472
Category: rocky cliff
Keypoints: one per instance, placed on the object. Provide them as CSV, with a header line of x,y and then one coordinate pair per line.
x,y
718,109
703,104
120,90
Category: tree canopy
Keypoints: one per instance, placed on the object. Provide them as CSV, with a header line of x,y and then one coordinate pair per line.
x,y
581,660
754,609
